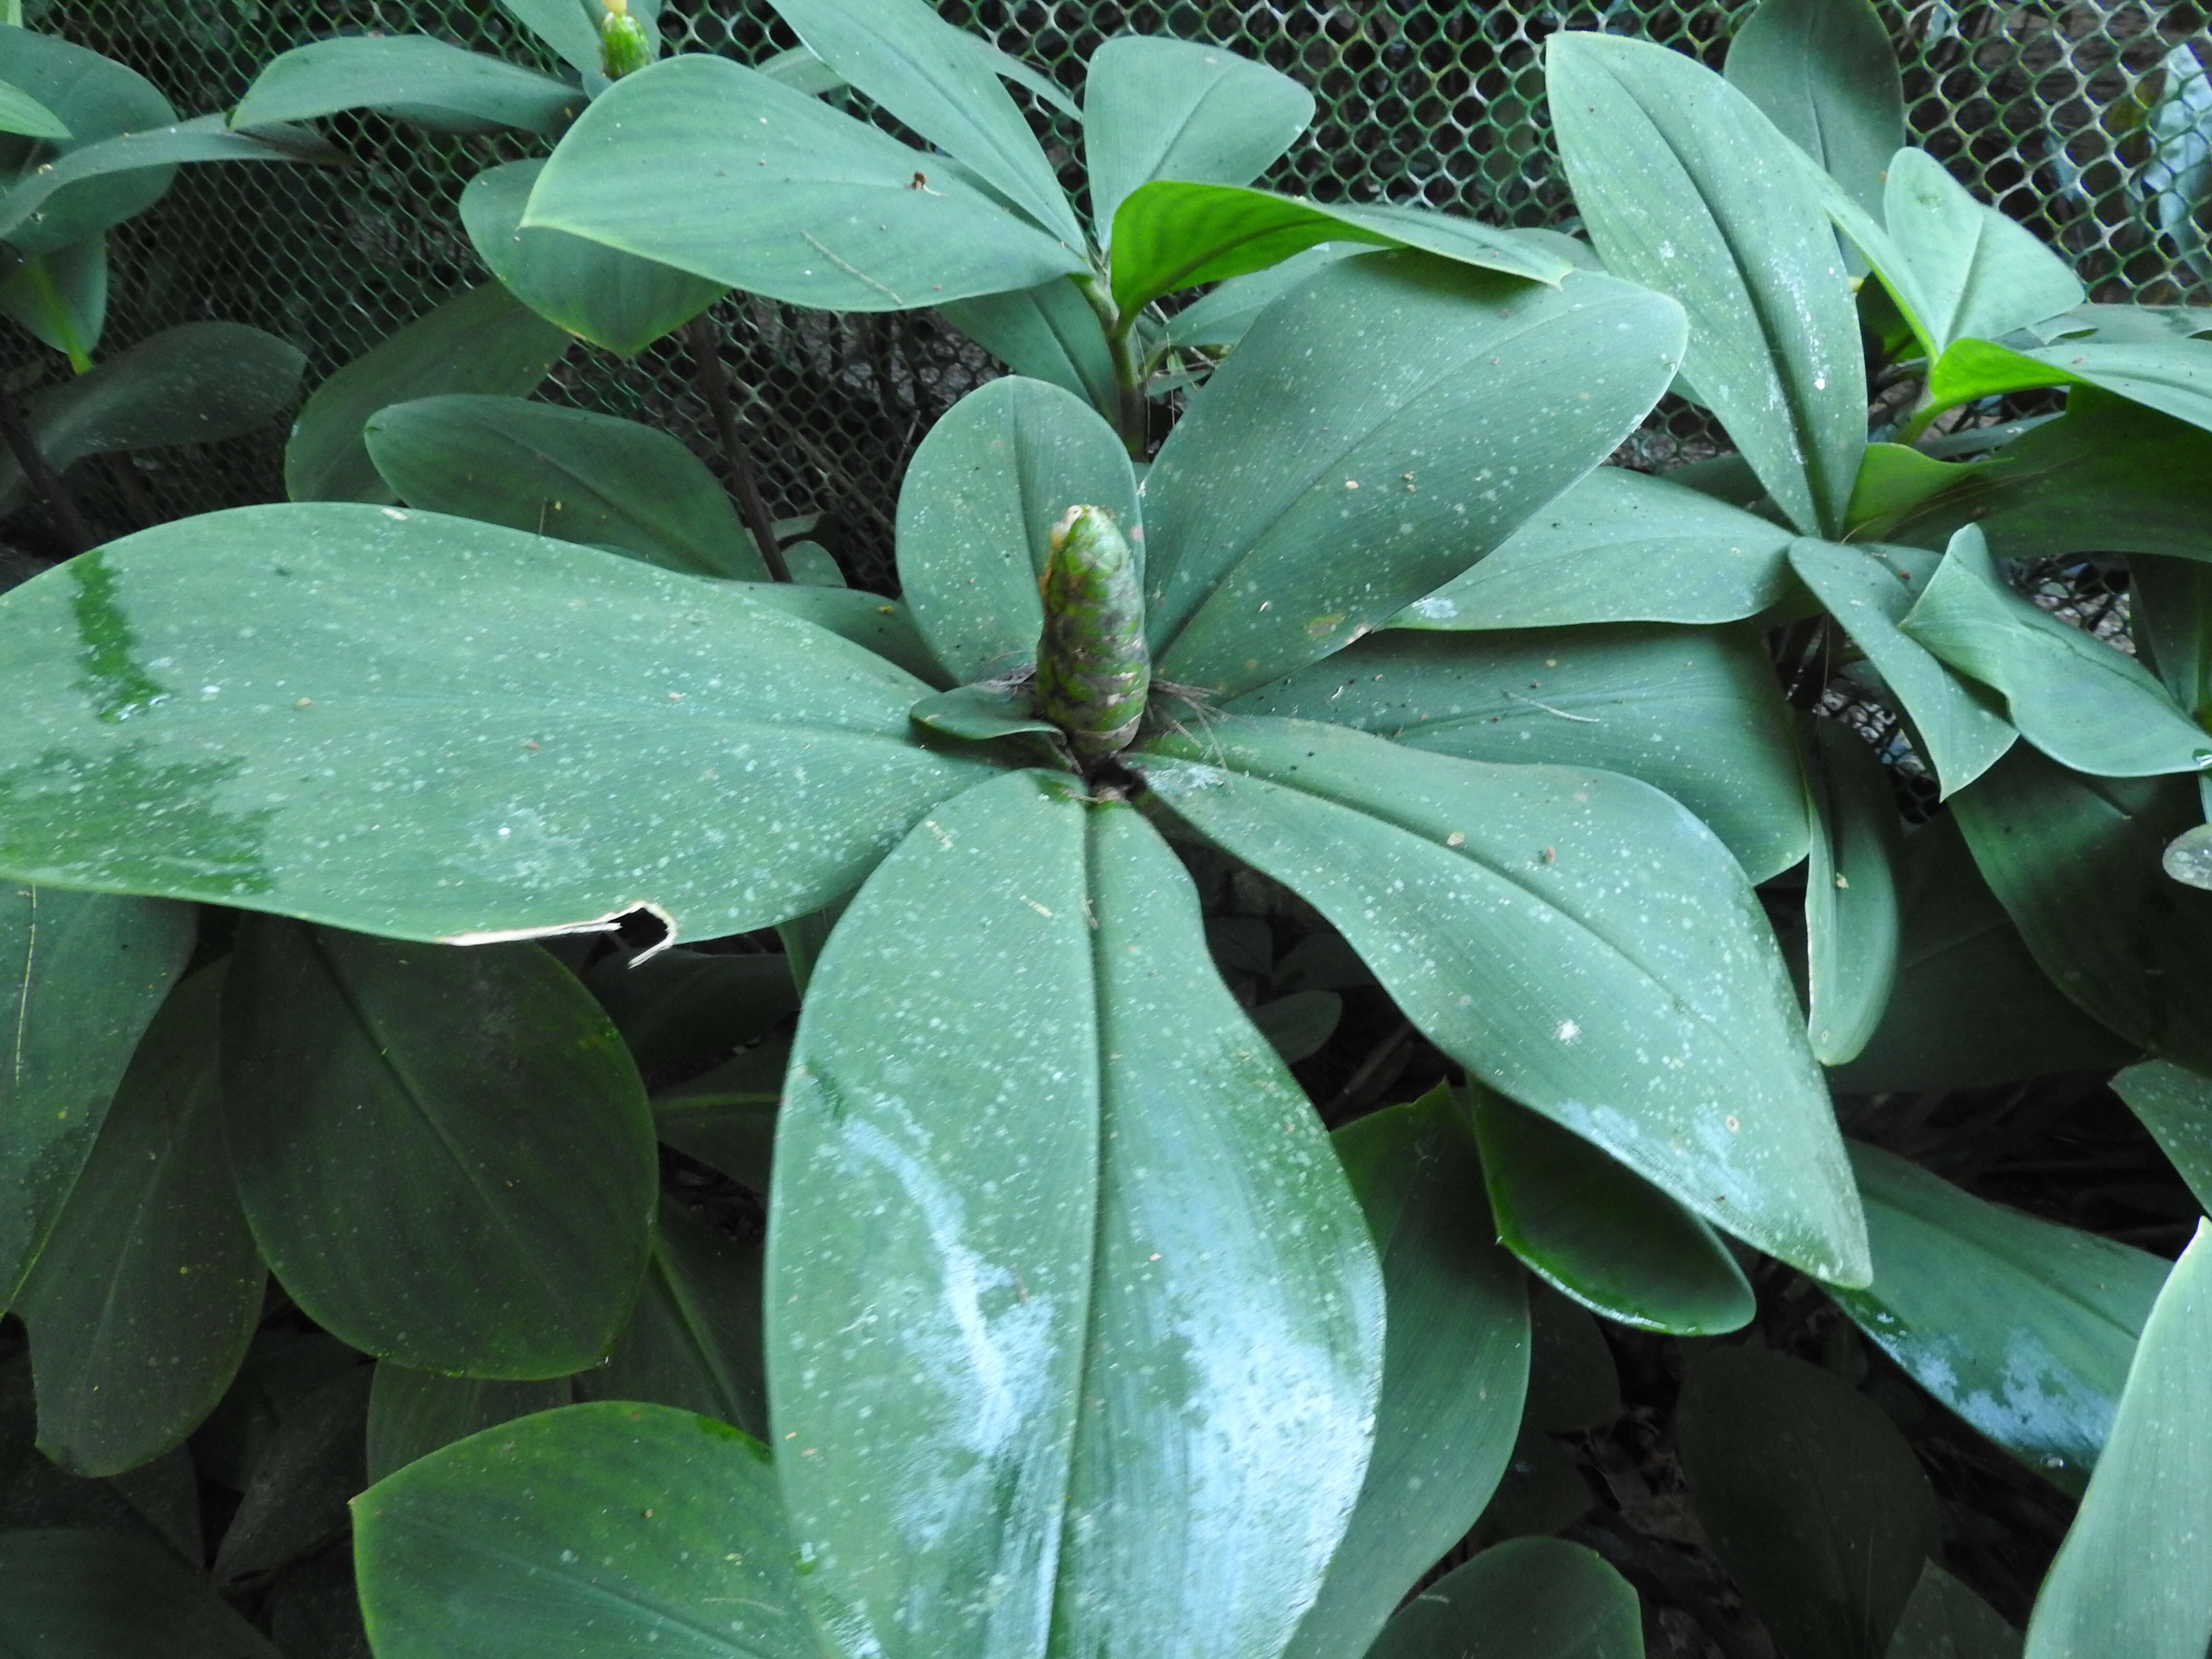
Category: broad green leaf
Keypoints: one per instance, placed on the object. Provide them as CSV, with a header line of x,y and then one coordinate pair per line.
x,y
1851,921
82,975
406,75
303,1474
569,26
2169,622
1530,1598
2175,1104
83,1595
2174,377
1300,1024
1052,1227
1685,187
1455,1366
981,712
1169,235
1049,332
191,384
2124,324
609,298
2023,1327
1824,73
1945,1620
1601,1233
1893,480
413,1414
446,1155
1542,1491
693,1339
1829,1557
563,472
677,1008
625,1526
976,511
184,680
1619,546
1155,108
149,1289
1221,316
1574,1384
721,171
931,75
1655,1021
881,625
21,113
2085,703
726,1118
802,71
1335,476
1870,589
1694,712
2135,1574
1973,273
481,340
96,98
61,298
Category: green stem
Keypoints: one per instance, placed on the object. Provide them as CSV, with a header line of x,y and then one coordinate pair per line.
x,y
1923,416
1132,413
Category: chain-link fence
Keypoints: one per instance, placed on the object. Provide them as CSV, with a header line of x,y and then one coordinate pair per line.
x,y
2093,121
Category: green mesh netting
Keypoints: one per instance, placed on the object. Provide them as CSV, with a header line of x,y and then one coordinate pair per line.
x,y
2093,121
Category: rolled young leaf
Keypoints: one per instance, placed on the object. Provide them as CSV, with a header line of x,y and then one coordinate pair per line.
x,y
406,75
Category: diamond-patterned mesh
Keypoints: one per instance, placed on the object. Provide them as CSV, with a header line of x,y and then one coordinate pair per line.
x,y
2093,121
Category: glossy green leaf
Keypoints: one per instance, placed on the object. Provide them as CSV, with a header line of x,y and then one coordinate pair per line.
x,y
1335,476
84,973
1851,921
563,472
2084,702
1601,1233
726,1118
303,1474
446,1154
1685,187
1694,712
406,75
1824,73
1945,1620
2175,1104
1130,1377
1654,1020
599,1529
1049,332
21,113
1893,480
481,340
538,764
1531,1598
83,1595
716,169
2135,1574
677,1008
611,299
1829,1557
693,1339
142,1303
1222,315
976,516
2023,1327
413,1414
2171,376
1169,235
1156,108
96,98
1619,546
61,298
1455,1366
1870,589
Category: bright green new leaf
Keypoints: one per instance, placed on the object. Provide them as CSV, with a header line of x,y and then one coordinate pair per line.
x,y
599,1528
1851,921
413,1414
61,298
2023,1327
1169,235
1049,332
1685,187
565,472
1488,900
446,1155
1829,1557
21,113
976,516
1694,712
90,1594
1893,480
2135,1574
1455,1366
83,974
1619,546
563,709
1824,73
716,169
149,1289
1945,1620
1529,1598
1155,108
2175,1104
1221,316
2085,703
611,299
1601,1233
1329,477
1123,1257
1870,589
2171,376
481,340
411,76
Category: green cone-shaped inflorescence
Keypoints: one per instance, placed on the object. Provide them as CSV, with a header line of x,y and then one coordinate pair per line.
x,y
1093,671
624,47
